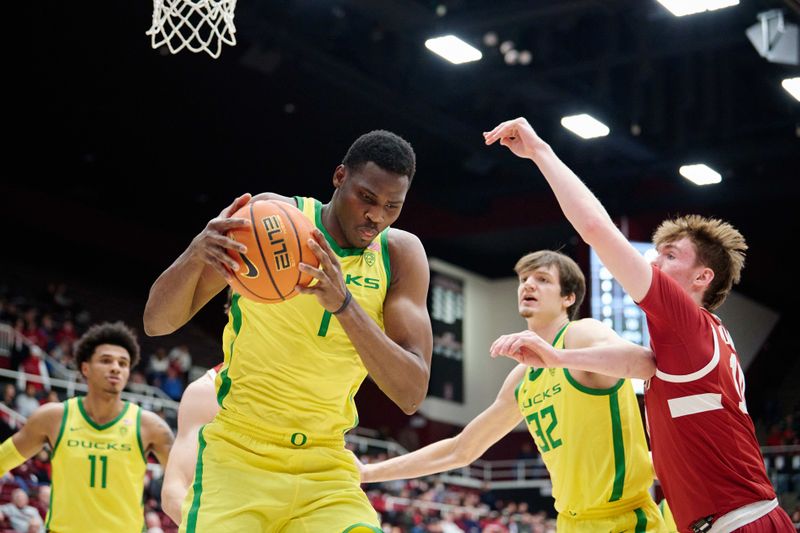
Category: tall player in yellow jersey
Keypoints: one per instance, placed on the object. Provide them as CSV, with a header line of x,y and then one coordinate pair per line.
x,y
585,423
99,442
273,459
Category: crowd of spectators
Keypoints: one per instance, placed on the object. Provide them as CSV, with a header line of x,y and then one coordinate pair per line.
x,y
50,323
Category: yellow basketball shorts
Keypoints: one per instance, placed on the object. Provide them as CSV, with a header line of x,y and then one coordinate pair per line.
x,y
252,485
644,519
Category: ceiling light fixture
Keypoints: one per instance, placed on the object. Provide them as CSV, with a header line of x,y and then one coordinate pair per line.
x,y
585,126
453,49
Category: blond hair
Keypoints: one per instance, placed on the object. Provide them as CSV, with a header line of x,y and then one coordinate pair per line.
x,y
719,247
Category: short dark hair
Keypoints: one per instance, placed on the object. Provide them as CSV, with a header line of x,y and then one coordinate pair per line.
x,y
384,148
570,276
116,334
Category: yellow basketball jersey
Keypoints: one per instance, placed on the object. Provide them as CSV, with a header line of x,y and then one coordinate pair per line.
x,y
290,370
591,441
98,472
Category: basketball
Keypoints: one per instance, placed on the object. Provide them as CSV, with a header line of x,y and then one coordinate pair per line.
x,y
277,241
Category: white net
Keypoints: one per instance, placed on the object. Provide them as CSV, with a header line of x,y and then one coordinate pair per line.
x,y
197,25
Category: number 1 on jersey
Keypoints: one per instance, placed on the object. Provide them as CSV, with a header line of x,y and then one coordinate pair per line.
x,y
93,465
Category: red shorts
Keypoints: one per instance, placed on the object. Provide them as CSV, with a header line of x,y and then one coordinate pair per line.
x,y
776,521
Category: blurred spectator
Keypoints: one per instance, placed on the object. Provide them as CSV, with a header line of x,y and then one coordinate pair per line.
x,y
181,359
448,525
20,515
488,497
157,367
34,365
19,349
42,501
10,395
152,522
27,402
41,467
52,397
67,332
173,384
47,333
31,329
63,353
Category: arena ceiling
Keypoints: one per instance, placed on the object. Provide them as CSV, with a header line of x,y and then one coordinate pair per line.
x,y
129,150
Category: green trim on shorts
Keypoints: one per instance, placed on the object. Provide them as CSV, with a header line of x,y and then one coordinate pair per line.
x,y
236,316
197,486
641,520
362,524
619,448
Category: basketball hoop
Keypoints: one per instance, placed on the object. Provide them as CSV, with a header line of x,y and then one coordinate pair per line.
x,y
197,25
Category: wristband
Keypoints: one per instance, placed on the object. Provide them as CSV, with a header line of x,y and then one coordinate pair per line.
x,y
347,299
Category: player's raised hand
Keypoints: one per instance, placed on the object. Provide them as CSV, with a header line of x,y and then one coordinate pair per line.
x,y
517,135
210,244
329,289
528,348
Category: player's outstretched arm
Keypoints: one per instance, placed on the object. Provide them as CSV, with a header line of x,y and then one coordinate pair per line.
x,y
583,210
198,407
196,276
592,347
399,359
489,427
41,427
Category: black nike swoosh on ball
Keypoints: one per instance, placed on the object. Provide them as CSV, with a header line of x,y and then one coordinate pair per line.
x,y
252,271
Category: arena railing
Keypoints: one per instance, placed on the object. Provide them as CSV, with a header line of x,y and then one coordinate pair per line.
x,y
72,386
9,336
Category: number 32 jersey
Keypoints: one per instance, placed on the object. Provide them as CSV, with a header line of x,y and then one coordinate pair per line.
x,y
98,472
591,440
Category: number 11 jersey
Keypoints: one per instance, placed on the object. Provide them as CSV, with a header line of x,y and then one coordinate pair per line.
x,y
98,472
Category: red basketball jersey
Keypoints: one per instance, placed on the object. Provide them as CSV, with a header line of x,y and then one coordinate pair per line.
x,y
704,446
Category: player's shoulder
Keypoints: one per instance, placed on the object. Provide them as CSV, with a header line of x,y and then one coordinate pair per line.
x,y
48,415
399,238
516,374
585,332
150,420
406,255
404,245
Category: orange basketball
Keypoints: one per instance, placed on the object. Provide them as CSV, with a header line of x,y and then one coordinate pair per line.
x,y
277,241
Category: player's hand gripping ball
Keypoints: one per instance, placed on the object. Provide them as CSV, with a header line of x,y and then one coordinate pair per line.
x,y
277,241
